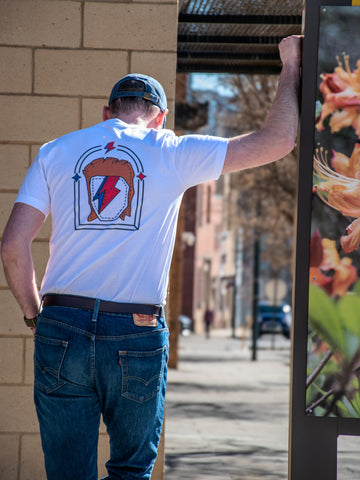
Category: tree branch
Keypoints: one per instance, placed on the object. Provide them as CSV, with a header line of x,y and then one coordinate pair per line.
x,y
318,369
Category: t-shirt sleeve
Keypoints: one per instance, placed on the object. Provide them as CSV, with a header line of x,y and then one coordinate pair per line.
x,y
34,190
199,158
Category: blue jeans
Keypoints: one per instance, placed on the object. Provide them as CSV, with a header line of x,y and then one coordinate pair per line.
x,y
88,364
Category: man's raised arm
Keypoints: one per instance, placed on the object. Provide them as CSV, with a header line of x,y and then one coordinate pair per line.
x,y
277,136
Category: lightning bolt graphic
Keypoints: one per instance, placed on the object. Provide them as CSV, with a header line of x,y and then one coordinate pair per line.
x,y
106,192
109,147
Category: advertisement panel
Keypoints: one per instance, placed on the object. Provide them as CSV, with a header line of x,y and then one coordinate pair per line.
x,y
333,342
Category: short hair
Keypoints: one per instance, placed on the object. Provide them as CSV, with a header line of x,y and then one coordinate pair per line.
x,y
130,104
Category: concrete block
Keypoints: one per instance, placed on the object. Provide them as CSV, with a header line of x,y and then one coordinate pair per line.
x,y
29,361
14,161
159,65
45,230
103,454
9,456
78,72
92,111
40,253
34,151
31,463
102,429
42,118
3,282
12,322
17,413
170,119
15,70
157,1
11,360
143,26
40,23
6,205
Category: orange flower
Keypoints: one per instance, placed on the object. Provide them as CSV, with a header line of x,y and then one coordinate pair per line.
x,y
333,274
351,241
341,93
339,187
349,167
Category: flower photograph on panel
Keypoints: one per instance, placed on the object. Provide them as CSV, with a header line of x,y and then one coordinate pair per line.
x,y
333,356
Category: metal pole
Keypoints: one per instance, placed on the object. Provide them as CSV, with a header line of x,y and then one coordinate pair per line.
x,y
275,302
256,272
236,317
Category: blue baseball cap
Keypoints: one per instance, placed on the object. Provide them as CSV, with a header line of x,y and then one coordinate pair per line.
x,y
153,91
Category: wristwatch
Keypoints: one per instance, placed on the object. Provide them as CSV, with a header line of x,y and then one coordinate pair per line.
x,y
31,322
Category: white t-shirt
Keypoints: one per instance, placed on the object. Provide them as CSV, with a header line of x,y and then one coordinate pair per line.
x,y
114,192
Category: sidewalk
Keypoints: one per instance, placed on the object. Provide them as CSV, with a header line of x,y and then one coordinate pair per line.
x,y
226,415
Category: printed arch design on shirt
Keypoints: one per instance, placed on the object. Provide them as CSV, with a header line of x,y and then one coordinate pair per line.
x,y
109,171
108,191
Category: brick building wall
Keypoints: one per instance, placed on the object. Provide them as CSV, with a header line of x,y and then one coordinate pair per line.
x,y
59,60
209,208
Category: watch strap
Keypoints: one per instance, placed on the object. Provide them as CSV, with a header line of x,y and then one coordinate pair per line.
x,y
31,322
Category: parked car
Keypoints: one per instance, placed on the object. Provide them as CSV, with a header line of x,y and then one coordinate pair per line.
x,y
185,325
274,319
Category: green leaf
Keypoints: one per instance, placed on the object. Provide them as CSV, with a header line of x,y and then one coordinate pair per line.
x,y
346,408
319,412
349,311
356,288
351,344
355,397
324,318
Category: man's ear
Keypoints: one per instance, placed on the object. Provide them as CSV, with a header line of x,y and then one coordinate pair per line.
x,y
106,113
160,119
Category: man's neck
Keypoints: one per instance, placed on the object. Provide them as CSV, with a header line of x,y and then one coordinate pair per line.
x,y
134,118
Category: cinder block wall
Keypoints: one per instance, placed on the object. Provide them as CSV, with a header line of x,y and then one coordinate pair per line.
x,y
58,62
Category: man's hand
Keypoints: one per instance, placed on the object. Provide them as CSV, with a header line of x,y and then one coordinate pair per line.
x,y
290,50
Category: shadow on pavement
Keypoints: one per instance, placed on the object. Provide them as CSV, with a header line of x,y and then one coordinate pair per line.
x,y
226,415
250,464
228,411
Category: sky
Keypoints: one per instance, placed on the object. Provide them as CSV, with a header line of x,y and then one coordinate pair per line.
x,y
210,81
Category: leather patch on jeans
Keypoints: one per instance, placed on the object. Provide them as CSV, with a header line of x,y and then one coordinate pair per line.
x,y
143,320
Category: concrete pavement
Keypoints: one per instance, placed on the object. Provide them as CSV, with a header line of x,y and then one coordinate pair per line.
x,y
227,416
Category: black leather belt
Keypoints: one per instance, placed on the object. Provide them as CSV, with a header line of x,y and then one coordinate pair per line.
x,y
87,303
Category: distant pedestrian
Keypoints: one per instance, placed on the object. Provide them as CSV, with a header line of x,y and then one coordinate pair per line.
x,y
208,320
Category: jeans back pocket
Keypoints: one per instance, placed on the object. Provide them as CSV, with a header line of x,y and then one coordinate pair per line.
x,y
142,373
48,358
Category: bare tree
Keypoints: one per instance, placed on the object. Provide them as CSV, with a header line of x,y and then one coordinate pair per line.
x,y
263,199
